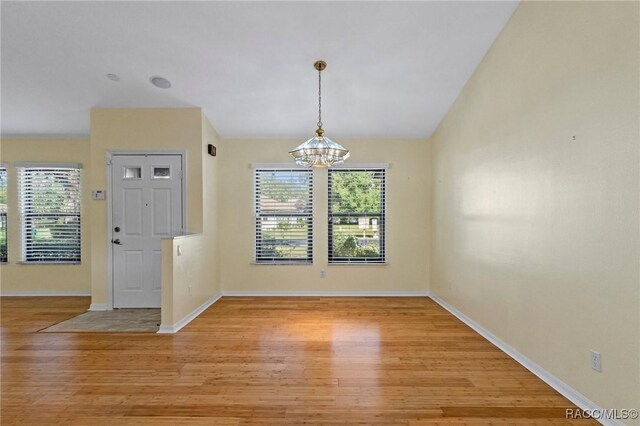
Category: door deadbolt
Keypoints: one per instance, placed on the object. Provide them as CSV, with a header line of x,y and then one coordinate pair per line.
x,y
116,229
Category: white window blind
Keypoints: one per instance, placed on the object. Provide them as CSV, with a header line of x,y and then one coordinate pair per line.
x,y
284,210
50,214
357,225
3,214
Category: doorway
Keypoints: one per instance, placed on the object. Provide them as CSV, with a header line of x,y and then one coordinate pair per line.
x,y
146,205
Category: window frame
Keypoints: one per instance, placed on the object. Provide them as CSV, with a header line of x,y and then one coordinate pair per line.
x,y
27,215
382,223
5,214
259,259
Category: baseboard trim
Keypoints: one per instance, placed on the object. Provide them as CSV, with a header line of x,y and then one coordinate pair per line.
x,y
565,390
327,293
170,329
46,293
99,307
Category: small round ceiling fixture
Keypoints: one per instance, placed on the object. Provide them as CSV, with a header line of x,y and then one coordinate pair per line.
x,y
113,77
160,82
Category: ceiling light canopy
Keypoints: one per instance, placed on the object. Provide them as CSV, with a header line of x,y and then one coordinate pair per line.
x,y
319,151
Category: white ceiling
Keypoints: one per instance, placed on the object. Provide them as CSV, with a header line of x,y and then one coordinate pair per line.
x,y
394,68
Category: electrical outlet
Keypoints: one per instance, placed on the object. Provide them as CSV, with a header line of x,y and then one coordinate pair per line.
x,y
322,274
596,360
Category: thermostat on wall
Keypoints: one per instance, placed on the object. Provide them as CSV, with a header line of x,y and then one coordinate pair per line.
x,y
98,194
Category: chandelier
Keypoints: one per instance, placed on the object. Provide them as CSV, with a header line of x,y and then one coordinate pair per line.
x,y
319,151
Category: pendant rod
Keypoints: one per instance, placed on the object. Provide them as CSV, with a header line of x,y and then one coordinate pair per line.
x,y
319,99
320,66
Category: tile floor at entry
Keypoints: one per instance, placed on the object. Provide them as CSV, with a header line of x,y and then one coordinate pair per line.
x,y
114,321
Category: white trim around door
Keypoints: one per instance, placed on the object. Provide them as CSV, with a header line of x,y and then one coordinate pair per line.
x,y
109,200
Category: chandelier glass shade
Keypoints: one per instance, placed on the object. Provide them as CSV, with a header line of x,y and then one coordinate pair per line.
x,y
319,151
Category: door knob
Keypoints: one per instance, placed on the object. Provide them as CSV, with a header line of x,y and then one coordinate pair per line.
x,y
116,241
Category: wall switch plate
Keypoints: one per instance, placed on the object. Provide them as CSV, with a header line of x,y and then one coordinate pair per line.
x,y
322,274
596,360
179,250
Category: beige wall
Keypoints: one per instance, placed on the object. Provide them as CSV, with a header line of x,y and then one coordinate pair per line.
x,y
141,129
183,278
193,278
211,202
407,221
535,233
15,277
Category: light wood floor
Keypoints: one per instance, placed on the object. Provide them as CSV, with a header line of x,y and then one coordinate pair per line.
x,y
401,361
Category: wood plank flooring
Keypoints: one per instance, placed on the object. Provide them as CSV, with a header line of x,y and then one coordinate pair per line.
x,y
396,361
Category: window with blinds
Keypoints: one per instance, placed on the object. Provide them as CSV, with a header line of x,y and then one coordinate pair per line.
x,y
50,214
357,215
3,214
284,210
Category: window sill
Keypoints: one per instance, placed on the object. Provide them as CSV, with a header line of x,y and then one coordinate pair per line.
x,y
358,263
48,263
282,263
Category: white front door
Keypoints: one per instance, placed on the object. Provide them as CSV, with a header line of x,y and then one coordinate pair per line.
x,y
146,196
